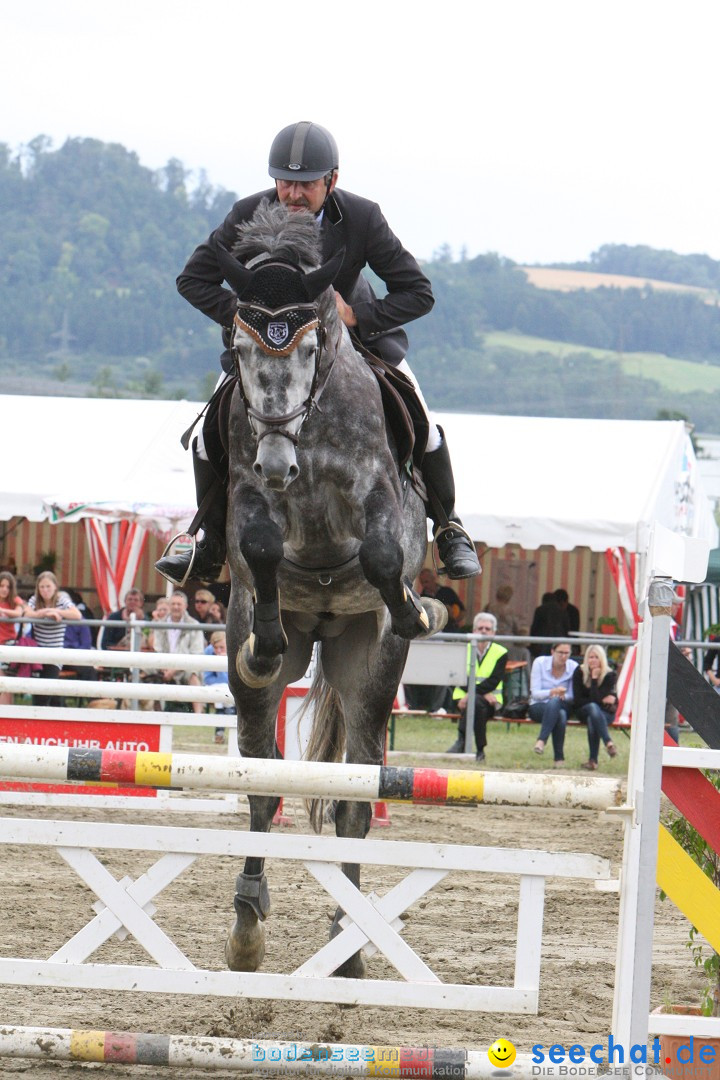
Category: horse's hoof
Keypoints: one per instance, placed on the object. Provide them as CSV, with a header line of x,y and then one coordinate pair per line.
x,y
245,946
353,968
437,615
423,623
257,672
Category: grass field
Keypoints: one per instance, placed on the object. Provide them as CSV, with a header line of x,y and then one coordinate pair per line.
x,y
679,376
507,749
509,746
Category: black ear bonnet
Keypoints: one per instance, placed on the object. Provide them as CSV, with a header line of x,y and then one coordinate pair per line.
x,y
276,300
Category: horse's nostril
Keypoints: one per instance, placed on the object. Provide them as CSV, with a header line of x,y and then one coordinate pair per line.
x,y
257,468
293,471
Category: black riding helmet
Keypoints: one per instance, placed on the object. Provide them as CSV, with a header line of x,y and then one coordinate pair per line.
x,y
303,151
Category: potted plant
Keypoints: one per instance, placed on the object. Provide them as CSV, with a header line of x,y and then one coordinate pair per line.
x,y
608,625
47,561
703,955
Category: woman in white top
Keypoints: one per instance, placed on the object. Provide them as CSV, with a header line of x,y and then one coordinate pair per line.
x,y
55,607
551,694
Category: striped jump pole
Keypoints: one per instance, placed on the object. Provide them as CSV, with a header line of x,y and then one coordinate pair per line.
x,y
262,1057
307,779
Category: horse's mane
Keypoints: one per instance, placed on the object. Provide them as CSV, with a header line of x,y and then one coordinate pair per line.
x,y
273,230
285,234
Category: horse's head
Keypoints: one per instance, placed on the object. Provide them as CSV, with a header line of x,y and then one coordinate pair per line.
x,y
279,334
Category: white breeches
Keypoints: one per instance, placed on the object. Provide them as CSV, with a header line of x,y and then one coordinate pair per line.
x,y
434,437
199,442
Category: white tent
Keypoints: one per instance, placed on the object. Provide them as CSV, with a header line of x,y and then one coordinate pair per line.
x,y
530,481
105,458
575,483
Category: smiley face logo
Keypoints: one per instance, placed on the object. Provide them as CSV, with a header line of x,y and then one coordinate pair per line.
x,y
501,1053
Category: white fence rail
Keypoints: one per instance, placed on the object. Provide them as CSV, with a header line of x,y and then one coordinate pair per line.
x,y
371,923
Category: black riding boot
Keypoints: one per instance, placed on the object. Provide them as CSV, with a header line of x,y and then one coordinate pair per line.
x,y
456,549
210,552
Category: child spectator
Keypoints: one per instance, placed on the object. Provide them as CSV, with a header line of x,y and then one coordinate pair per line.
x,y
218,647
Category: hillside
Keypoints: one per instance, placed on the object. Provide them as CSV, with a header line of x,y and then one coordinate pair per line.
x,y
657,264
672,374
91,242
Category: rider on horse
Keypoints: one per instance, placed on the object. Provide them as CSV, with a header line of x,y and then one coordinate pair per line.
x,y
304,164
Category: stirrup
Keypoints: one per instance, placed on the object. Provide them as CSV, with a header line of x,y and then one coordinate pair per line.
x,y
190,564
452,526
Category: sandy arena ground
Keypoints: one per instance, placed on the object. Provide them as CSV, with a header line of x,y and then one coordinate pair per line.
x,y
465,930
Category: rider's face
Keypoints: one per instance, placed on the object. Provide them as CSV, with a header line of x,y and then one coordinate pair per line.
x,y
304,194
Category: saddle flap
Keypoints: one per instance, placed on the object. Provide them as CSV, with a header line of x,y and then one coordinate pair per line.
x,y
404,414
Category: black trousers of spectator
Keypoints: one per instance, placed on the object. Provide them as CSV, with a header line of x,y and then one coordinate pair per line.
x,y
429,698
483,712
48,671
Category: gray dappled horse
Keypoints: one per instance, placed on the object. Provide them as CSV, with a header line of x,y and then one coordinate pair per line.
x,y
323,537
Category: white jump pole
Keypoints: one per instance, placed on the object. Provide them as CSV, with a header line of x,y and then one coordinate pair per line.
x,y
84,688
23,654
80,688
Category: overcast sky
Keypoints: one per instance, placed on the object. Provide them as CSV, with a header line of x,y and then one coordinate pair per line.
x,y
539,130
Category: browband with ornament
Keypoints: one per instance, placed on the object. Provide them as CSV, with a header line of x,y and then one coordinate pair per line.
x,y
277,332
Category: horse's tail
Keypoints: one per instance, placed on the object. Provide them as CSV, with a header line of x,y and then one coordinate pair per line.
x,y
327,736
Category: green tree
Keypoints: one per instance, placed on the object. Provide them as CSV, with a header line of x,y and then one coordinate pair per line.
x,y
104,384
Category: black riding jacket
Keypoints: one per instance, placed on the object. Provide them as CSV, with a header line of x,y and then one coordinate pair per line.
x,y
351,222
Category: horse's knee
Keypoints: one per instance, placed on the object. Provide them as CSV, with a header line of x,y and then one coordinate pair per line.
x,y
381,559
261,544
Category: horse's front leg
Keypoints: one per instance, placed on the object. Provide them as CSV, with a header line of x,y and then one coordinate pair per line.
x,y
260,657
245,944
381,557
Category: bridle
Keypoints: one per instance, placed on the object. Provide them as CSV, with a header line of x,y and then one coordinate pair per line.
x,y
275,425
277,304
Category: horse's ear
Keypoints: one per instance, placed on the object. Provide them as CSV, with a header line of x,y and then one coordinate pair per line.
x,y
234,272
317,281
